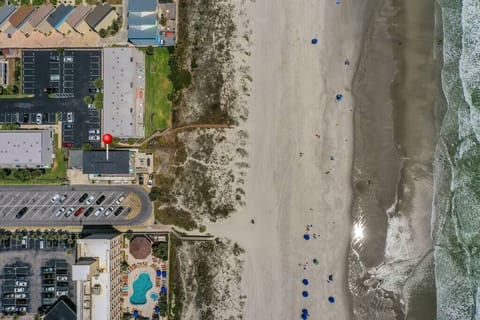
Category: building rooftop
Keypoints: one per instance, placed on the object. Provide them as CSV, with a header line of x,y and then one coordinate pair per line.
x,y
40,14
75,159
136,19
95,162
142,5
140,247
168,10
78,15
17,19
5,12
123,74
26,148
58,17
62,309
98,14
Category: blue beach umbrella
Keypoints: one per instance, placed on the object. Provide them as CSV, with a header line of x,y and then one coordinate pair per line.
x,y
314,41
304,316
163,290
135,314
306,237
164,274
339,97
157,309
330,277
331,299
305,294
159,273
305,282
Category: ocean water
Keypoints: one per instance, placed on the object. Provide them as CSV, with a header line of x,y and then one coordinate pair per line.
x,y
456,212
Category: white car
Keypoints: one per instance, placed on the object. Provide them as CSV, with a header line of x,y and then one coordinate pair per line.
x,y
90,106
39,118
61,293
9,309
62,278
90,200
21,283
98,211
55,198
94,131
62,199
69,212
59,212
68,59
94,138
16,290
21,309
120,199
20,296
108,211
69,116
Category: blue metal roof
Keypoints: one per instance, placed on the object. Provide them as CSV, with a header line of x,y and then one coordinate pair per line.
x,y
5,12
137,20
145,37
58,17
142,5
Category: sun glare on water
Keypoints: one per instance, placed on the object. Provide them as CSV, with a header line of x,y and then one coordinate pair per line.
x,y
357,232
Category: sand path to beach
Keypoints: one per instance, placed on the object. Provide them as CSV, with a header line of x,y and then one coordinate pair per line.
x,y
297,133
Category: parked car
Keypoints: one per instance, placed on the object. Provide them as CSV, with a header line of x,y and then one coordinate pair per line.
x,y
98,211
68,59
79,211
94,131
55,198
68,126
39,118
69,212
90,106
83,197
21,309
120,199
20,295
100,200
150,180
88,212
68,144
9,309
94,138
62,293
140,179
62,278
48,289
108,211
19,290
21,213
90,200
21,283
26,117
54,58
118,211
60,212
62,199
69,116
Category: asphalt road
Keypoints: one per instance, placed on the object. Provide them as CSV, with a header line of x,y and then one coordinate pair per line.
x,y
41,212
75,77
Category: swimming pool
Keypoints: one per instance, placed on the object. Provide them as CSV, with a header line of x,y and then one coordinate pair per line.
x,y
140,288
154,296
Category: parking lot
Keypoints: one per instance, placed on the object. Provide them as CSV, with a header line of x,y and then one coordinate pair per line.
x,y
63,206
59,81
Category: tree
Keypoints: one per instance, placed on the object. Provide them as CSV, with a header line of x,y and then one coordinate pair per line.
x,y
163,20
98,83
98,101
102,33
87,99
86,147
149,50
59,50
9,126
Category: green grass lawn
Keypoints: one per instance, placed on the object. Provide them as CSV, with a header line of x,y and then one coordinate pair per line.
x,y
158,86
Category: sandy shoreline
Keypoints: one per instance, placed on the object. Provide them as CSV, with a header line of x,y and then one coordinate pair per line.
x,y
300,156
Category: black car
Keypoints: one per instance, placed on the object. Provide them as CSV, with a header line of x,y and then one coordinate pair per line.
x,y
83,197
26,117
21,213
68,126
140,179
118,211
88,212
100,200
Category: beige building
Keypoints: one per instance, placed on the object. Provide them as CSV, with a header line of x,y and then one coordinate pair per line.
x,y
40,14
78,16
98,275
101,17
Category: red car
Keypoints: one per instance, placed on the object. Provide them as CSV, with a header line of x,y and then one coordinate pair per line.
x,y
79,211
68,144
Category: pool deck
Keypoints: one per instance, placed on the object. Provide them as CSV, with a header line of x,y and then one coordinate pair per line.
x,y
138,266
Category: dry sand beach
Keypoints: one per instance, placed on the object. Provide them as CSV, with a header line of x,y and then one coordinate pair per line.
x,y
300,146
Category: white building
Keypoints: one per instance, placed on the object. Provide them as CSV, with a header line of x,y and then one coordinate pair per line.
x,y
98,275
26,148
124,92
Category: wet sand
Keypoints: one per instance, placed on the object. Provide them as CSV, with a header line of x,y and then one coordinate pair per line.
x,y
393,152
